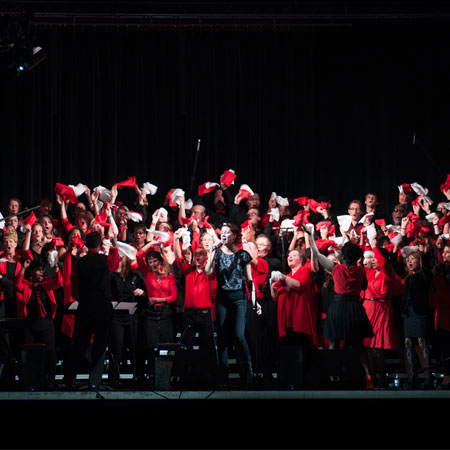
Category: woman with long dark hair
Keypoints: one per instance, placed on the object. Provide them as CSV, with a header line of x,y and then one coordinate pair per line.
x,y
417,315
346,319
234,277
127,286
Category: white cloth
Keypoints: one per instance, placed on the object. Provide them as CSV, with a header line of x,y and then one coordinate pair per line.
x,y
149,188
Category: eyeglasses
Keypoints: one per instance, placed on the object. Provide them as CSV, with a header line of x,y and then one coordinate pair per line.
x,y
251,214
399,210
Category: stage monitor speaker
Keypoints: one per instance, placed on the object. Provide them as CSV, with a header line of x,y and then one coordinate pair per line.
x,y
194,369
163,368
337,369
33,366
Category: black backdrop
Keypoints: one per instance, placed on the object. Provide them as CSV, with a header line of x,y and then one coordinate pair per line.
x,y
301,111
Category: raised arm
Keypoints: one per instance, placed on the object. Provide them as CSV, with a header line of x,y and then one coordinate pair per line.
x,y
326,263
211,257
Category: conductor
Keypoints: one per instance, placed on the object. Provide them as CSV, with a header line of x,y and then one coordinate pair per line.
x,y
94,315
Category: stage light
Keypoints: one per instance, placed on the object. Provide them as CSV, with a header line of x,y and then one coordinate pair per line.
x,y
38,55
20,51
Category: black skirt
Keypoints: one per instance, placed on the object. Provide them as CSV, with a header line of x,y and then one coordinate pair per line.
x,y
347,319
416,325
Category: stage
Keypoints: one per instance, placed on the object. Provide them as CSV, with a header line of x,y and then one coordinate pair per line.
x,y
227,419
218,395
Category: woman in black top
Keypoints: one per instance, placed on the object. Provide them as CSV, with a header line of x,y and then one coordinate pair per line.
x,y
417,314
232,266
127,286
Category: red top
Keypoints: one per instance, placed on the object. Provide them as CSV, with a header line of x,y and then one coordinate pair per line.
x,y
157,286
386,284
68,320
24,290
440,302
259,275
297,309
198,286
348,280
195,241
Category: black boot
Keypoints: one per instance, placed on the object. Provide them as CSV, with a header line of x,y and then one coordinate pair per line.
x,y
246,375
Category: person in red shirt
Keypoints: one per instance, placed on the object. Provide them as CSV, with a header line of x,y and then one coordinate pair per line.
x,y
440,302
346,317
297,302
382,285
196,315
297,310
157,323
36,304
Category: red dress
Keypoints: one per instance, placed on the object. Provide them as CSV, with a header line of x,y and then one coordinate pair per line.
x,y
440,302
297,309
381,287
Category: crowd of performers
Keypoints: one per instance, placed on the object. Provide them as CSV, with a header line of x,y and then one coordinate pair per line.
x,y
89,276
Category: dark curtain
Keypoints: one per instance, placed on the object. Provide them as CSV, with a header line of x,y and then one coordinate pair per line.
x,y
302,111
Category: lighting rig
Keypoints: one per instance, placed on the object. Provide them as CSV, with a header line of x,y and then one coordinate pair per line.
x,y
19,51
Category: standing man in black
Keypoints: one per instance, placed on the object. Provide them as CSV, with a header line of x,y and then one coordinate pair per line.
x,y
94,314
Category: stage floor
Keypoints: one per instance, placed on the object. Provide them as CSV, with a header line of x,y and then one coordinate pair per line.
x,y
376,394
226,419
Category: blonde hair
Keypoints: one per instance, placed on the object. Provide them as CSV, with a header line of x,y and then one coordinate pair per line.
x,y
10,235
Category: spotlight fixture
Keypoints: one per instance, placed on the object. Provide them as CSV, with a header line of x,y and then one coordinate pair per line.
x,y
37,56
19,51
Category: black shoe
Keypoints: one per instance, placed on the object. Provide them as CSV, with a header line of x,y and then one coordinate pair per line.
x,y
100,387
114,384
428,384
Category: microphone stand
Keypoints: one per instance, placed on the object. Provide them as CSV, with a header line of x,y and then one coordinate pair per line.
x,y
21,213
415,140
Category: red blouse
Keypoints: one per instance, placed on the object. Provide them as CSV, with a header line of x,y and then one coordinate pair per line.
x,y
297,309
348,280
157,286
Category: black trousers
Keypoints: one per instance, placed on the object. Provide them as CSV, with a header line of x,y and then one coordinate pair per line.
x,y
123,337
42,331
197,320
157,325
89,326
262,337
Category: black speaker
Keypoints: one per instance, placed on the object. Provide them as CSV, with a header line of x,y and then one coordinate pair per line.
x,y
33,366
165,354
337,369
194,369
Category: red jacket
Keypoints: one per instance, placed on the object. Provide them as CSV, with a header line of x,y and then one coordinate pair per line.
x,y
24,290
3,271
